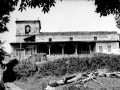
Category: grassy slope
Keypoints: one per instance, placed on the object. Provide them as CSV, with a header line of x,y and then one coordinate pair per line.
x,y
32,84
108,83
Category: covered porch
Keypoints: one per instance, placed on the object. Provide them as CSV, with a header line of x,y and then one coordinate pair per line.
x,y
26,49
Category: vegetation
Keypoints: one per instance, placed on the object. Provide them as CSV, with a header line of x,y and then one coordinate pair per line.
x,y
63,66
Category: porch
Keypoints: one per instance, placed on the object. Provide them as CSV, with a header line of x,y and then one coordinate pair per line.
x,y
25,49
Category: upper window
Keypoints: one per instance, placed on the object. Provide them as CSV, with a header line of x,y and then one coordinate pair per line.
x,y
71,38
95,38
27,29
50,39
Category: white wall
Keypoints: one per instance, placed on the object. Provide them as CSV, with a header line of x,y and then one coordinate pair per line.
x,y
21,28
45,38
114,47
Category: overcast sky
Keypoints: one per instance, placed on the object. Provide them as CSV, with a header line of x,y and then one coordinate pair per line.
x,y
67,15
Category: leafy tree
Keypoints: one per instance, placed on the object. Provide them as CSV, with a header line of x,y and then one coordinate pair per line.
x,y
2,69
6,6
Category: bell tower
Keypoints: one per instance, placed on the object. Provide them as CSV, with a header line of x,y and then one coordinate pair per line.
x,y
25,28
28,27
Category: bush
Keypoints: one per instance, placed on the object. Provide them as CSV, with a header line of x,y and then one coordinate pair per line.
x,y
25,69
69,65
10,72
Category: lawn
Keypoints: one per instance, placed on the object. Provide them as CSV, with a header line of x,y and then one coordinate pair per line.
x,y
39,84
39,75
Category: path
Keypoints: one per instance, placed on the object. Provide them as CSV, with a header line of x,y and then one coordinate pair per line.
x,y
12,86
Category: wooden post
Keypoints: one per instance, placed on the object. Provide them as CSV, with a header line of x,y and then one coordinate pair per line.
x,y
49,49
76,49
49,45
90,48
62,50
75,45
62,45
20,52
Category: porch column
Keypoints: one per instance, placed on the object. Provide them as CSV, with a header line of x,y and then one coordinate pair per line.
x,y
36,50
49,49
76,49
62,45
75,45
49,45
20,51
90,48
24,54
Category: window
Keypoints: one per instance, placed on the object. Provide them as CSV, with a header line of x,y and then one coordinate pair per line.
x,y
71,38
50,39
100,49
109,48
95,38
27,29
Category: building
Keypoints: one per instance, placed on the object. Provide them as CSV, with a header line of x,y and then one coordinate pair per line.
x,y
30,40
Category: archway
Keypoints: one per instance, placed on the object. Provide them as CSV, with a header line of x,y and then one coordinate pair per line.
x,y
56,48
42,48
69,48
83,48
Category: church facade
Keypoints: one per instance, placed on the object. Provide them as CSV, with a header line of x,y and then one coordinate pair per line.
x,y
30,40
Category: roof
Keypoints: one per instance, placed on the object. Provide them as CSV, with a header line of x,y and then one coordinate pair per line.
x,y
78,33
18,43
27,21
30,38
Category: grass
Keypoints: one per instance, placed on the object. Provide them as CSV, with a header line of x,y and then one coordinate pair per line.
x,y
39,84
65,66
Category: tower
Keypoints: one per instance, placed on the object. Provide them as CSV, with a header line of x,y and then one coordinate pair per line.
x,y
25,28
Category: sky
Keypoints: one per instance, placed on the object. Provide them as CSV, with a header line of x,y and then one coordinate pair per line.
x,y
68,15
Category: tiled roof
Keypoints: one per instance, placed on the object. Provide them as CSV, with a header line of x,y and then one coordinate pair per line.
x,y
27,21
78,33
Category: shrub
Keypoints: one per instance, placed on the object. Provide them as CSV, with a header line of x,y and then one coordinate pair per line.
x,y
69,65
10,72
46,69
25,69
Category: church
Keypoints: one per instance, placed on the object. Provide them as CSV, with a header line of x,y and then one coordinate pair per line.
x,y
30,40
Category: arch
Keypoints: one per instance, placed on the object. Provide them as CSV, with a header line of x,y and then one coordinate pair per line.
x,y
69,48
42,48
83,48
56,48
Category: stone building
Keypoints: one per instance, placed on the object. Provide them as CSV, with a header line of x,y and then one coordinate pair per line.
x,y
30,40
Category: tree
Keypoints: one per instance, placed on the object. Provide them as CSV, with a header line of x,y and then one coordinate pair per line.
x,y
2,69
6,6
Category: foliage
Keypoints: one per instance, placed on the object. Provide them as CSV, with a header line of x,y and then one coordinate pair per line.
x,y
6,6
10,71
107,7
2,55
25,69
71,65
44,4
